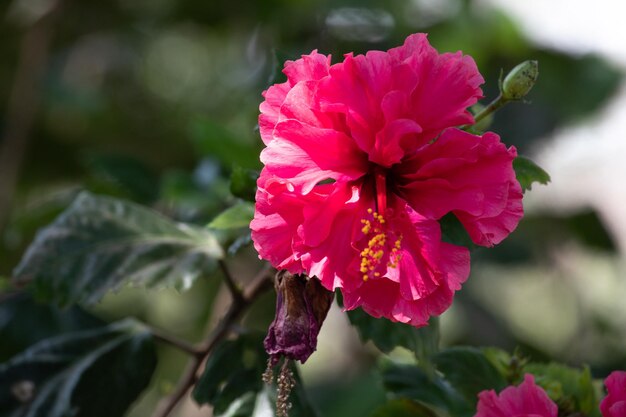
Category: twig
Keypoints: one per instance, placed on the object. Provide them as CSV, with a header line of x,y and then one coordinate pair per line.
x,y
233,287
180,344
23,105
491,107
259,284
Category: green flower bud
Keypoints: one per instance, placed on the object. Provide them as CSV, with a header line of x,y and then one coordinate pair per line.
x,y
520,80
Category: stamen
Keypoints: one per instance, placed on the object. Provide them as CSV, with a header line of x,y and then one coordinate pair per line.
x,y
374,254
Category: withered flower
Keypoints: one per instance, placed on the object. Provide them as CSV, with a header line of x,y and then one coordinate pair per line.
x,y
301,307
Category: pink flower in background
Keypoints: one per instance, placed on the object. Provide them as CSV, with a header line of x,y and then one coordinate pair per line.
x,y
361,161
525,400
614,404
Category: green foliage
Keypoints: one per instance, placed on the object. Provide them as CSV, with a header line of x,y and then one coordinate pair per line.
x,y
463,372
469,371
403,407
233,370
527,172
214,140
243,183
236,217
36,322
232,381
408,381
75,374
386,335
571,388
452,231
130,175
100,244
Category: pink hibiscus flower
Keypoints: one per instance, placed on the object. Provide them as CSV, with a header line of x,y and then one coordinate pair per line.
x,y
361,161
614,404
525,400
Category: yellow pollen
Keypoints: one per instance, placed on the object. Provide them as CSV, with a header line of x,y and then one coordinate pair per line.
x,y
373,255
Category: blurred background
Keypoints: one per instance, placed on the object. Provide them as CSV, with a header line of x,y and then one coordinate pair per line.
x,y
156,101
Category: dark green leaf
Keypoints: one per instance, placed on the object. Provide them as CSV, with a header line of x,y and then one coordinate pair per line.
x,y
238,216
571,388
403,407
23,322
387,335
452,231
469,371
232,381
408,381
527,172
100,244
243,183
131,175
233,370
92,373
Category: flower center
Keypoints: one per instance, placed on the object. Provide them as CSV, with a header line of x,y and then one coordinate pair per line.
x,y
378,253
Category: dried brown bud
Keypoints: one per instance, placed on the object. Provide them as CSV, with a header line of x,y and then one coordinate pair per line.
x,y
301,307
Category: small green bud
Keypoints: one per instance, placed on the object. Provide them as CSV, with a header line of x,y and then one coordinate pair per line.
x,y
520,80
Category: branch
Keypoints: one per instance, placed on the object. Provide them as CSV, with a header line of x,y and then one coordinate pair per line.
x,y
259,284
181,344
232,285
23,105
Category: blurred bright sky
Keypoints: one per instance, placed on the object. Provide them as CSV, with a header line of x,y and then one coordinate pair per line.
x,y
587,161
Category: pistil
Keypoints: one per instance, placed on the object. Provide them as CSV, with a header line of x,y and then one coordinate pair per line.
x,y
381,189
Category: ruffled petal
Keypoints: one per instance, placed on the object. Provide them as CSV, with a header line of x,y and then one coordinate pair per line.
x,y
614,404
468,175
327,250
276,219
310,67
306,155
420,281
448,84
527,399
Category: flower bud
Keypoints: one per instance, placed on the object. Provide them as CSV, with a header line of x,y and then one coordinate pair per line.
x,y
520,80
301,307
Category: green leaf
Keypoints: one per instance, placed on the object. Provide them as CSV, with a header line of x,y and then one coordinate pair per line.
x,y
232,381
571,388
403,407
387,335
452,231
233,370
469,371
236,217
243,183
100,244
409,381
36,322
527,172
92,373
131,175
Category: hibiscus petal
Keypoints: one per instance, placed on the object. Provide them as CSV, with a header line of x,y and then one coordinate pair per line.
x,y
273,229
422,283
468,175
310,67
527,399
306,155
327,234
448,84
